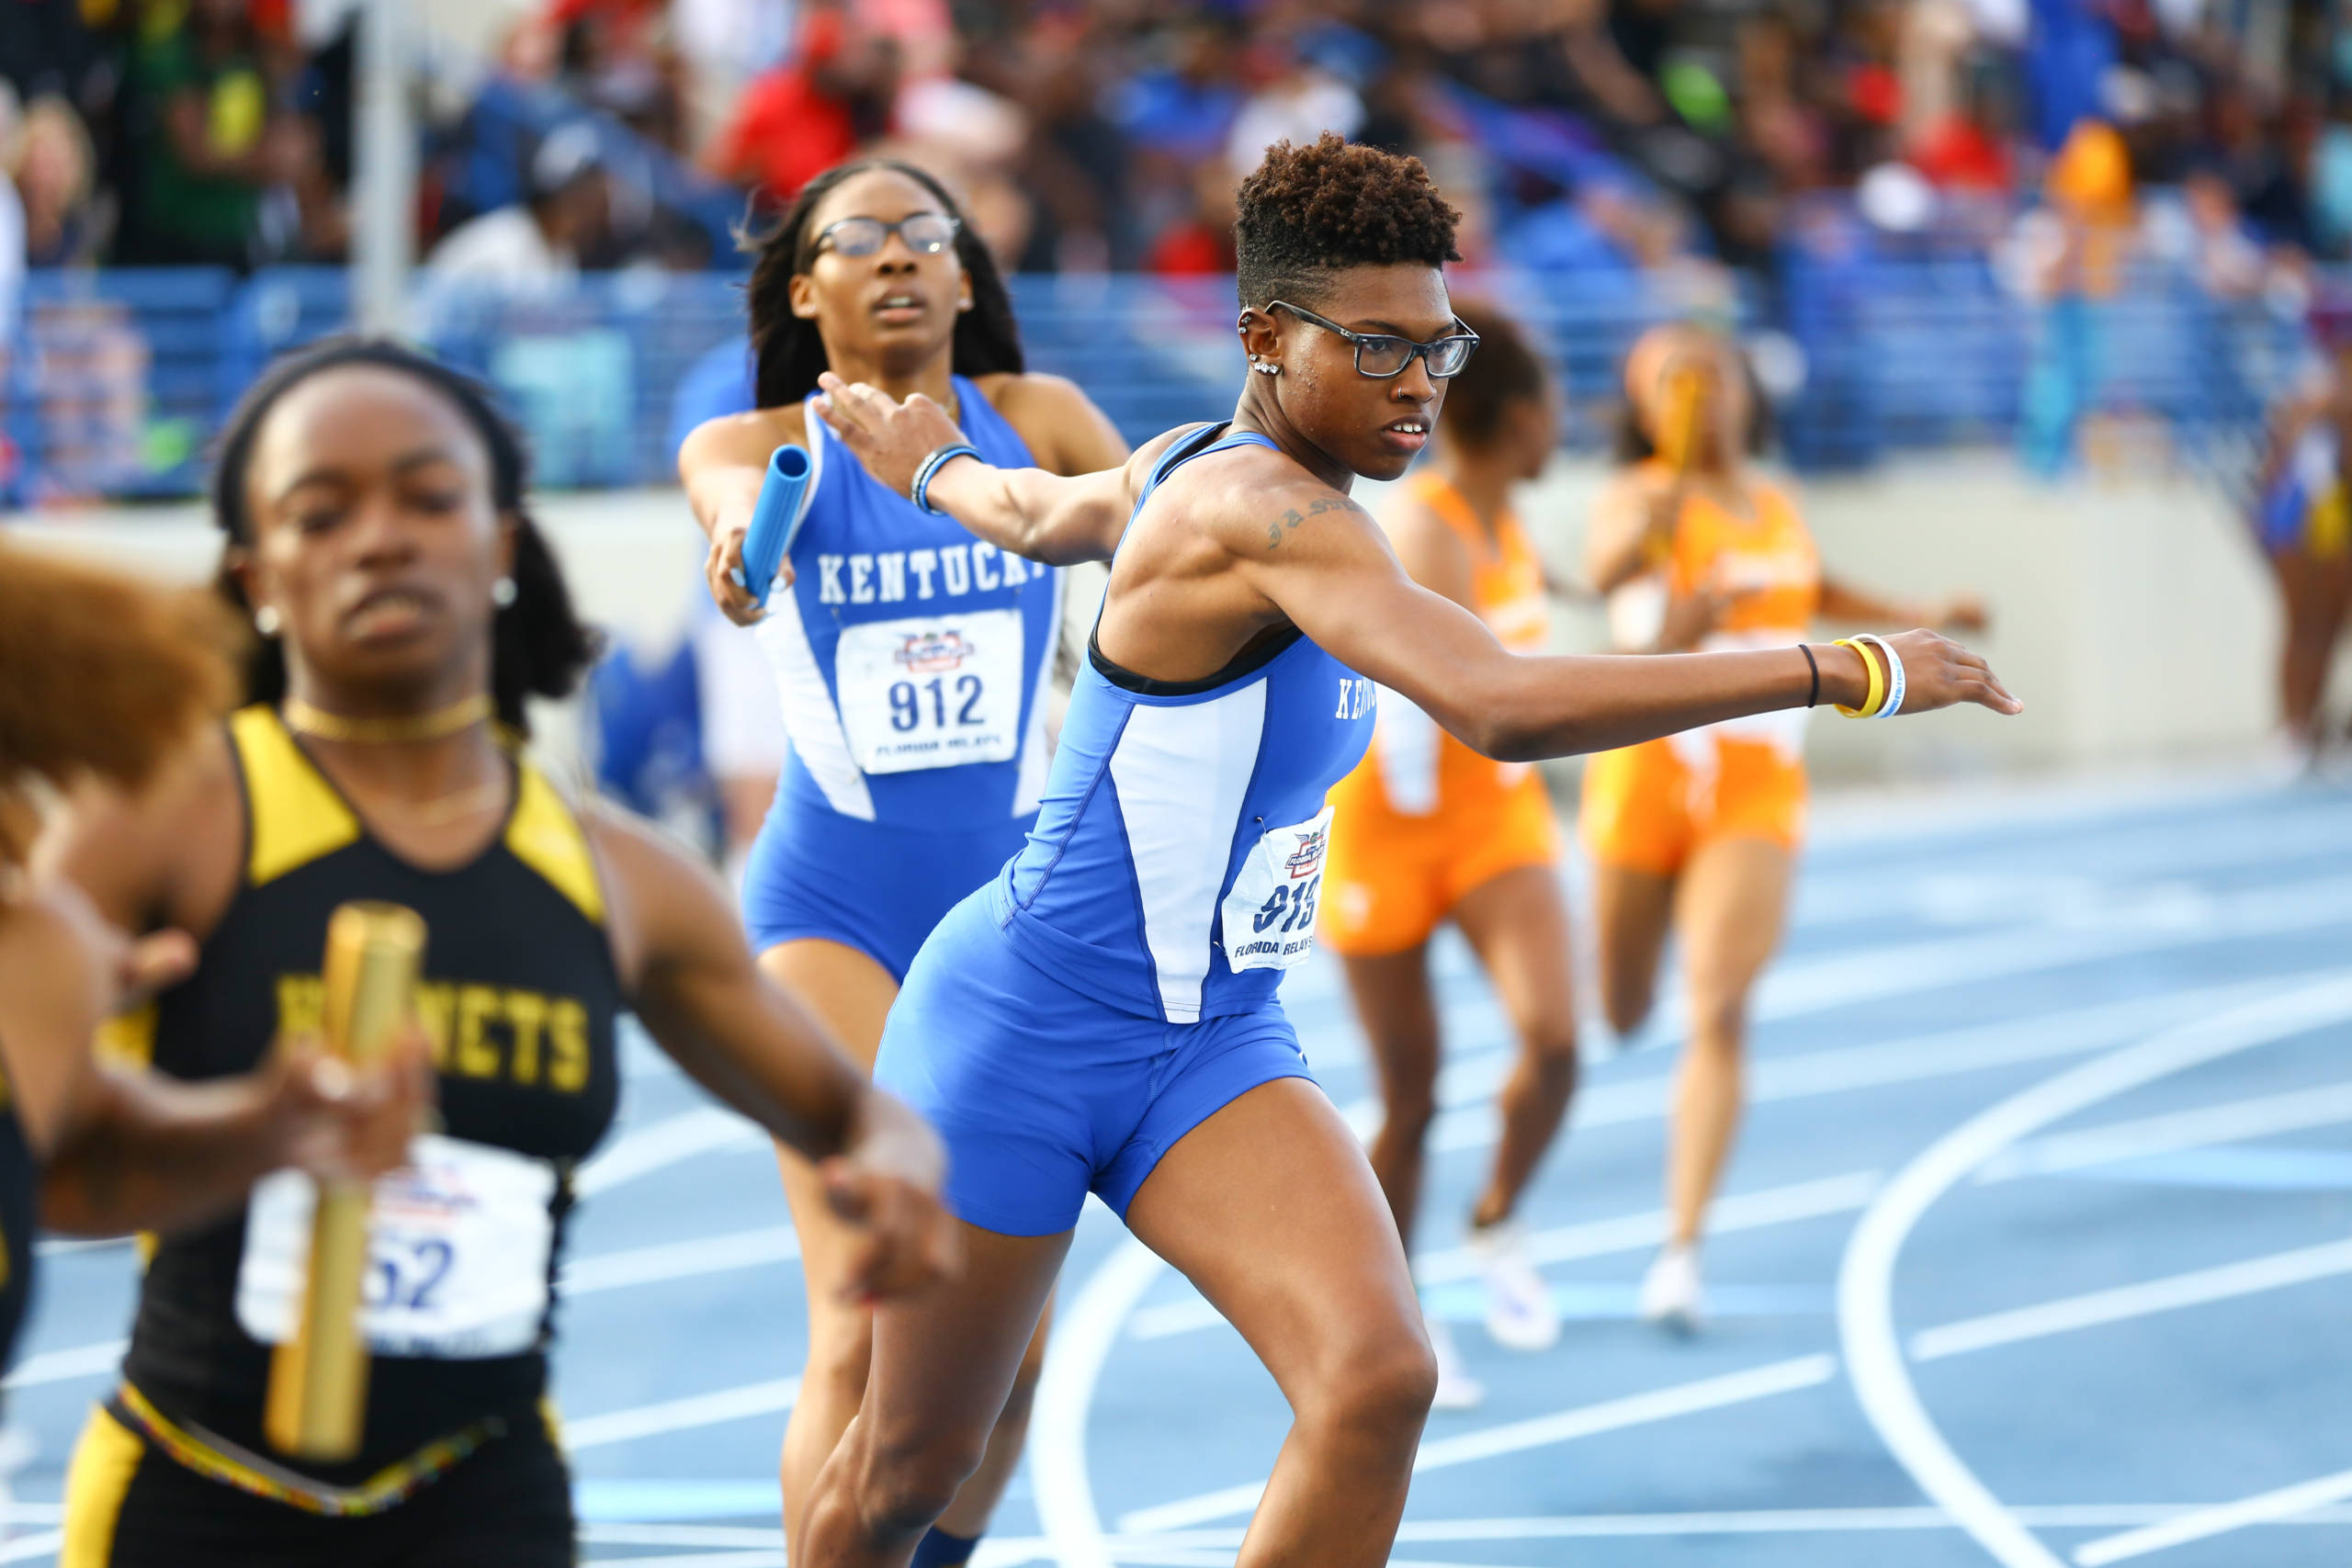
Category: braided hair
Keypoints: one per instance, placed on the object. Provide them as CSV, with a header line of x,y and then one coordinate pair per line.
x,y
787,352
539,645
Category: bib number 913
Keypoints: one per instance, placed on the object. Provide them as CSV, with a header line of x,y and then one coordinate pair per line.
x,y
1293,907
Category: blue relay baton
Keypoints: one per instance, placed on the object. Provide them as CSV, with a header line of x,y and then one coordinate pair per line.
x,y
775,521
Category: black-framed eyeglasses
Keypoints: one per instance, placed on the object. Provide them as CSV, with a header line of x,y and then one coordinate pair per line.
x,y
1382,356
925,234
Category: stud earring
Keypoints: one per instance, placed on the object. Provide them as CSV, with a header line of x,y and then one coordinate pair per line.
x,y
502,593
1262,369
265,620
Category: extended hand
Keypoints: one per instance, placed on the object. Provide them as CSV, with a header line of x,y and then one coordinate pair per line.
x,y
891,438
886,1189
1938,673
722,568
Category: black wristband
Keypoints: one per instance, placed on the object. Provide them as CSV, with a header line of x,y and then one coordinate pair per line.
x,y
1813,696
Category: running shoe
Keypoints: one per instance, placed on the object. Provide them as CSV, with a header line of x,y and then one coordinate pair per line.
x,y
1457,1389
1670,1292
1520,1311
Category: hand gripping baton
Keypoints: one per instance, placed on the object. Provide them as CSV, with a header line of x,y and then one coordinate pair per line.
x,y
776,520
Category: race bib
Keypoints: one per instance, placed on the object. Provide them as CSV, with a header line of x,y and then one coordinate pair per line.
x,y
458,1248
1270,914
931,692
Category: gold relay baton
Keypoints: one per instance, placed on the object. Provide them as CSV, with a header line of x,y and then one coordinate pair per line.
x,y
318,1379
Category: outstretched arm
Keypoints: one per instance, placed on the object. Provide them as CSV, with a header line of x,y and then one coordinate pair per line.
x,y
1336,578
1030,512
746,1041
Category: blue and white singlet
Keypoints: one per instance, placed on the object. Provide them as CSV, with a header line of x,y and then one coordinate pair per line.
x,y
912,661
1115,986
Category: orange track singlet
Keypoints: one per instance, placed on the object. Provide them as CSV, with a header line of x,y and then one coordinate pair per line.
x,y
1647,806
1423,820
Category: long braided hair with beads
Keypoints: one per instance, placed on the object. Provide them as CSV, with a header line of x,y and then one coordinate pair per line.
x,y
539,647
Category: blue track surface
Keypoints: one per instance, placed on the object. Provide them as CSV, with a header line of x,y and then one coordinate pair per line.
x,y
2037,1246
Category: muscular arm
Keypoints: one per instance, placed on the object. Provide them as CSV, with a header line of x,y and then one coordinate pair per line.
x,y
1334,576
745,1040
1059,519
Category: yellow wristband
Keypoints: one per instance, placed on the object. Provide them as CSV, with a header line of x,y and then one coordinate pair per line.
x,y
1878,681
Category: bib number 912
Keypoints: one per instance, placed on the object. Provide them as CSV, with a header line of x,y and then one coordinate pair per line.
x,y
908,704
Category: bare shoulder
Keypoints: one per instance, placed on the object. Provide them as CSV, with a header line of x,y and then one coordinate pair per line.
x,y
1064,429
745,438
661,900
171,852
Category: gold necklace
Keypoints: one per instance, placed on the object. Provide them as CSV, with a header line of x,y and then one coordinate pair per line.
x,y
451,808
434,726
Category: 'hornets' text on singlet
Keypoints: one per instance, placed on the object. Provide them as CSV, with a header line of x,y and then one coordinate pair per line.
x,y
1178,856
911,656
519,996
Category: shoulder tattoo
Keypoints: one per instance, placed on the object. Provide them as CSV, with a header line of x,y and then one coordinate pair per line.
x,y
1316,508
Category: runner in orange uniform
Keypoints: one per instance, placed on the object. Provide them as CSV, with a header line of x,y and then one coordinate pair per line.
x,y
1426,830
1700,831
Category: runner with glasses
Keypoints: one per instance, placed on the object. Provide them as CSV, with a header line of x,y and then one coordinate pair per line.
x,y
912,660
1102,1016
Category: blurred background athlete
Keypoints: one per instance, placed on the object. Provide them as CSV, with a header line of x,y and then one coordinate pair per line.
x,y
1699,831
1428,830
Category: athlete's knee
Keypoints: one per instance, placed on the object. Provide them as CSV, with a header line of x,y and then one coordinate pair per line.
x,y
838,1363
1378,1380
1407,1111
1626,999
1718,1018
902,1483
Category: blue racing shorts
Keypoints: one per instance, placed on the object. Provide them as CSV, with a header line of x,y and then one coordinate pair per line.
x,y
1043,1094
870,886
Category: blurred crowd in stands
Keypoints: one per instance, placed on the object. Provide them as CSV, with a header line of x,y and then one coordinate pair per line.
x,y
1617,136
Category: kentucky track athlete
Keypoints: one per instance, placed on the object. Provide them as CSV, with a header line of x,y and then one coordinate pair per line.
x,y
1102,1017
375,508
912,660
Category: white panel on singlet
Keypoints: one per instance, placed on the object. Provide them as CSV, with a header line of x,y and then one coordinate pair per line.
x,y
811,721
1181,773
1405,740
1036,757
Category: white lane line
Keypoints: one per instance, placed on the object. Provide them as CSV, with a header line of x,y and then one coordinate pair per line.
x,y
680,1259
2323,1106
771,1558
665,1144
1514,1437
33,1547
1085,1332
2126,1301
681,1415
626,1534
1469,1123
2285,1503
65,1365
66,1246
1591,1238
1866,1277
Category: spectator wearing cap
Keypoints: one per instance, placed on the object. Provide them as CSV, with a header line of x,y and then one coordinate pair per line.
x,y
535,244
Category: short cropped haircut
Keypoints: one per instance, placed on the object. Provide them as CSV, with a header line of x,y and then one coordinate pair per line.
x,y
1306,212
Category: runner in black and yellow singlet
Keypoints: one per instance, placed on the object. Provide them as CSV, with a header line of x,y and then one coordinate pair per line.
x,y
375,506
104,681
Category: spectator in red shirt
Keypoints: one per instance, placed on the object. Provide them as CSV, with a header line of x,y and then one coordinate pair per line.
x,y
799,120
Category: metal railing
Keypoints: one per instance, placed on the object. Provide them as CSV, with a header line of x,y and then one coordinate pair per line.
x,y
116,379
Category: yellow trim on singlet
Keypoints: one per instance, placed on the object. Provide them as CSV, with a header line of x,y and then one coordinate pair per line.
x,y
294,815
545,834
231,1466
105,1460
128,1040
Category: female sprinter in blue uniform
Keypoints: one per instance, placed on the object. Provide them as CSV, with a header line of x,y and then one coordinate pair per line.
x,y
912,660
1102,1016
